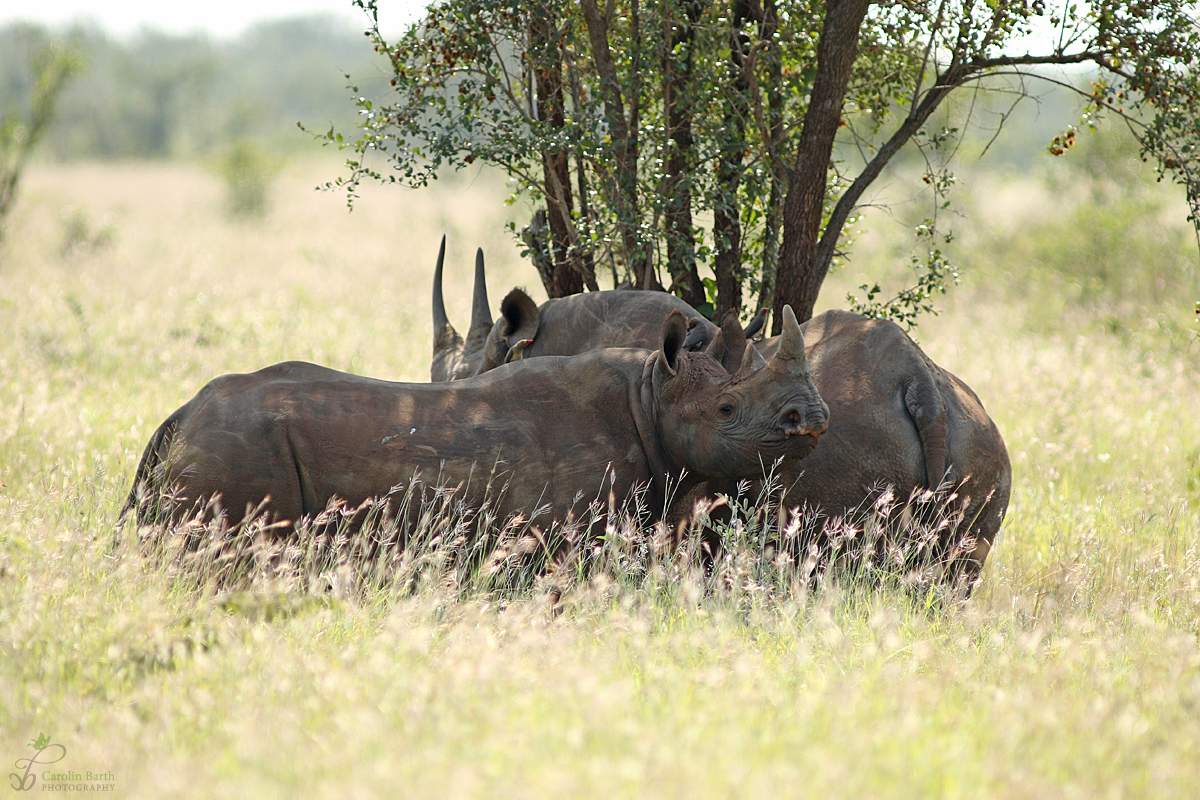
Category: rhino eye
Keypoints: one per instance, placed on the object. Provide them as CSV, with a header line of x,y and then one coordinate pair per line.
x,y
725,411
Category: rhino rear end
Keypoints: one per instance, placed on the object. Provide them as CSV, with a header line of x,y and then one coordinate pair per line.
x,y
145,499
226,452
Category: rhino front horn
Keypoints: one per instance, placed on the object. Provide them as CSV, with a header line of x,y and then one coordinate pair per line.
x,y
440,320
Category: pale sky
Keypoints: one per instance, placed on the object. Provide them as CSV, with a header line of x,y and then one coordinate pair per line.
x,y
221,18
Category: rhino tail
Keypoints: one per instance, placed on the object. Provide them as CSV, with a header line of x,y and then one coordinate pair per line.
x,y
927,408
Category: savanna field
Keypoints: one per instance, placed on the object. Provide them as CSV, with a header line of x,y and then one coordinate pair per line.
x,y
1073,671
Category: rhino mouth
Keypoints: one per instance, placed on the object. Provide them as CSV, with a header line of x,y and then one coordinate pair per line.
x,y
794,422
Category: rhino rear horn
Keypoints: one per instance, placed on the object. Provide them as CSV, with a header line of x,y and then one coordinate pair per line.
x,y
790,358
481,318
481,313
729,345
752,361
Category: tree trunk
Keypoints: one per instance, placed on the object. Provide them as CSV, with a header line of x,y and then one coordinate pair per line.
x,y
624,141
567,277
801,272
727,223
677,189
773,57
585,212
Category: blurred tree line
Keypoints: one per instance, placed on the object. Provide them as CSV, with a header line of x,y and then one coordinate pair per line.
x,y
25,117
159,95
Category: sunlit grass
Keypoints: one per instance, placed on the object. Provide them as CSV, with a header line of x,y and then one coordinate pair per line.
x,y
1073,671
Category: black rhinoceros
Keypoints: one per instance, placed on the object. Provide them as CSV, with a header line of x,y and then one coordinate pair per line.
x,y
896,420
562,326
555,432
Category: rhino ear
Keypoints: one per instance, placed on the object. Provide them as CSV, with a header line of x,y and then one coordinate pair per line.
x,y
729,344
519,321
674,332
520,317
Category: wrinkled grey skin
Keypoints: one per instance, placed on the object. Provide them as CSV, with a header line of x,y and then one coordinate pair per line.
x,y
896,419
555,431
559,327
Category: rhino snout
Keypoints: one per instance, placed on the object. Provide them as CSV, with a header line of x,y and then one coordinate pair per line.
x,y
797,420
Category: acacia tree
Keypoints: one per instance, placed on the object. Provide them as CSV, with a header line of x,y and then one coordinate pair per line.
x,y
633,121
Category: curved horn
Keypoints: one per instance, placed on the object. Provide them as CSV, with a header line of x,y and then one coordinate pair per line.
x,y
447,344
440,320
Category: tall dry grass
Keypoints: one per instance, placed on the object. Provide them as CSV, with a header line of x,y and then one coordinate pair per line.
x,y
1073,671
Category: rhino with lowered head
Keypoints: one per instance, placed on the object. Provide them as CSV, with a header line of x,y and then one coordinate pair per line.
x,y
561,326
555,431
898,420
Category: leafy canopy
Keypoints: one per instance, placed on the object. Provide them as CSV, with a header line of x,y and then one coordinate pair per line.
x,y
771,118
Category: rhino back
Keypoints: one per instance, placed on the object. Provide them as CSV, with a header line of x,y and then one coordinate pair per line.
x,y
302,434
614,318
